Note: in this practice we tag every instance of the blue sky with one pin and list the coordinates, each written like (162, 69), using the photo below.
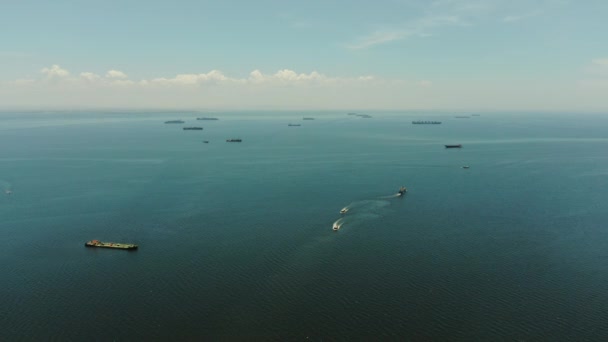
(391, 54)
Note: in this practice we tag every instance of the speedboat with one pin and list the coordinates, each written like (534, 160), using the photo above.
(465, 167)
(402, 190)
(336, 226)
(8, 192)
(343, 211)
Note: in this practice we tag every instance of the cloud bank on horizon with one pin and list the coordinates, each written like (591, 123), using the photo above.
(409, 54)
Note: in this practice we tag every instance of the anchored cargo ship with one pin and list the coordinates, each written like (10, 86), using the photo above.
(308, 118)
(294, 125)
(97, 243)
(193, 128)
(174, 122)
(420, 122)
(204, 118)
(453, 146)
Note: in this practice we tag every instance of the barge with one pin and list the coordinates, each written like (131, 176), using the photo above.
(97, 243)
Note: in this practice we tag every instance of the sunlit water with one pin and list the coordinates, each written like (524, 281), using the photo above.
(236, 239)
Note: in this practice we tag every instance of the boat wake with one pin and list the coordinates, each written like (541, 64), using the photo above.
(362, 211)
(338, 224)
(392, 196)
(6, 186)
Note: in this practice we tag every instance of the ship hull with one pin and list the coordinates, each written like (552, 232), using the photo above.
(126, 246)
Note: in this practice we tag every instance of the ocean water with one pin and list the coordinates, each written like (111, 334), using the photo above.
(236, 240)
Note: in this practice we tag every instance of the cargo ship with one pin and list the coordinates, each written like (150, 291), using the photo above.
(294, 125)
(308, 118)
(97, 243)
(204, 118)
(174, 122)
(453, 146)
(420, 122)
(233, 140)
(193, 128)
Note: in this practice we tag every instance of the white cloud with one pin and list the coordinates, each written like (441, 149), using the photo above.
(89, 76)
(378, 37)
(290, 75)
(213, 76)
(55, 71)
(284, 88)
(256, 76)
(417, 28)
(116, 74)
(441, 14)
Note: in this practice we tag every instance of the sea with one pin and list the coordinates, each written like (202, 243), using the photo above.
(236, 240)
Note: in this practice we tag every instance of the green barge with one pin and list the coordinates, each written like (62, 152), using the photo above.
(97, 243)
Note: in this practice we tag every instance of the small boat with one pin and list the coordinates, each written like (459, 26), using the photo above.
(206, 141)
(308, 118)
(344, 210)
(174, 122)
(294, 125)
(402, 190)
(205, 118)
(336, 226)
(193, 128)
(97, 243)
(453, 146)
(8, 192)
(233, 140)
(465, 167)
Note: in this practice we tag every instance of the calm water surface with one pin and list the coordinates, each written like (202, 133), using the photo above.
(236, 239)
